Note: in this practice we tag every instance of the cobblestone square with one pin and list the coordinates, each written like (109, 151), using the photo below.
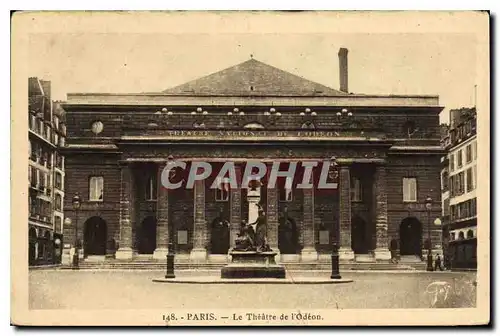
(85, 289)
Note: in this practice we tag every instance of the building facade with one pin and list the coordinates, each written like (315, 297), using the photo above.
(387, 149)
(461, 144)
(45, 174)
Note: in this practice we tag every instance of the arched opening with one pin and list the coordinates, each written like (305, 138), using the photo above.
(410, 236)
(219, 238)
(253, 125)
(461, 235)
(359, 241)
(470, 234)
(147, 236)
(287, 236)
(94, 236)
(32, 246)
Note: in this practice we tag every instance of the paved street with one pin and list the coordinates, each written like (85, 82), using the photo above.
(102, 289)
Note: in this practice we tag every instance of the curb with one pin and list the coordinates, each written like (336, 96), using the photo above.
(201, 280)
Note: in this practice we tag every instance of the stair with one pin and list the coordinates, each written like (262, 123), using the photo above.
(148, 264)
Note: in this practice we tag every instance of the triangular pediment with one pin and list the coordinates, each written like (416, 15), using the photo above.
(253, 78)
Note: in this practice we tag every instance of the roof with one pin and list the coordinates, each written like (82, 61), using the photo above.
(253, 77)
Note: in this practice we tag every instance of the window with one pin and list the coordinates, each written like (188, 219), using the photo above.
(468, 153)
(452, 235)
(356, 190)
(461, 183)
(96, 188)
(461, 235)
(452, 185)
(452, 162)
(58, 224)
(58, 183)
(222, 190)
(474, 148)
(470, 234)
(473, 210)
(285, 190)
(469, 184)
(474, 177)
(409, 189)
(58, 201)
(459, 159)
(151, 189)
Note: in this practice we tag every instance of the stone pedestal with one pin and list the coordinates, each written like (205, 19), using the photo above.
(346, 254)
(309, 255)
(382, 254)
(124, 253)
(160, 253)
(198, 254)
(253, 265)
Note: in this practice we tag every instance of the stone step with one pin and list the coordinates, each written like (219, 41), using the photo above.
(157, 265)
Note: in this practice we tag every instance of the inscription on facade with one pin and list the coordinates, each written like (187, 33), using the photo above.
(250, 133)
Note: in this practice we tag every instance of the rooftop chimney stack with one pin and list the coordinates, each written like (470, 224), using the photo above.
(343, 70)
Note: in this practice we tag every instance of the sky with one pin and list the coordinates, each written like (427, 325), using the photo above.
(441, 64)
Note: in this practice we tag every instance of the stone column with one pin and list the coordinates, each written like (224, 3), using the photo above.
(125, 250)
(162, 217)
(382, 245)
(199, 251)
(308, 252)
(235, 208)
(345, 249)
(272, 219)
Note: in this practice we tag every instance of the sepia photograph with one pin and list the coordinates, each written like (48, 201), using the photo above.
(250, 168)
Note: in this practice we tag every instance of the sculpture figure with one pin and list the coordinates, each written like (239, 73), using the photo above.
(252, 236)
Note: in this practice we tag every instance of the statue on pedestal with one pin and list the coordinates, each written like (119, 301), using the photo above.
(252, 236)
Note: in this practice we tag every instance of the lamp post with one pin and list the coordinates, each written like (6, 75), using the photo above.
(76, 206)
(171, 253)
(335, 244)
(428, 206)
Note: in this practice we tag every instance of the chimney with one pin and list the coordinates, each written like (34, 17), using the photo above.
(343, 70)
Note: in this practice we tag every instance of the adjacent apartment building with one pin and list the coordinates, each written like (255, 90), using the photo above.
(459, 176)
(46, 134)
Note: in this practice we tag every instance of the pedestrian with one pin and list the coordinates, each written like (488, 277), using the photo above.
(437, 263)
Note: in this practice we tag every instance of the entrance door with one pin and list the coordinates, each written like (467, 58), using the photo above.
(287, 236)
(219, 239)
(410, 236)
(147, 236)
(359, 242)
(95, 236)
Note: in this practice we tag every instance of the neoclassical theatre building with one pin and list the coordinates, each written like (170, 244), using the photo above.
(384, 149)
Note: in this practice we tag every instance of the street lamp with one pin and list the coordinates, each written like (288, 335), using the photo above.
(335, 244)
(428, 206)
(76, 206)
(171, 253)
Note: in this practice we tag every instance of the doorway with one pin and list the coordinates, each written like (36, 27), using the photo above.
(359, 241)
(147, 236)
(95, 230)
(410, 237)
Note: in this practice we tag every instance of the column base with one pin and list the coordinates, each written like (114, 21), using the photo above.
(346, 254)
(382, 254)
(124, 253)
(160, 253)
(309, 254)
(198, 254)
